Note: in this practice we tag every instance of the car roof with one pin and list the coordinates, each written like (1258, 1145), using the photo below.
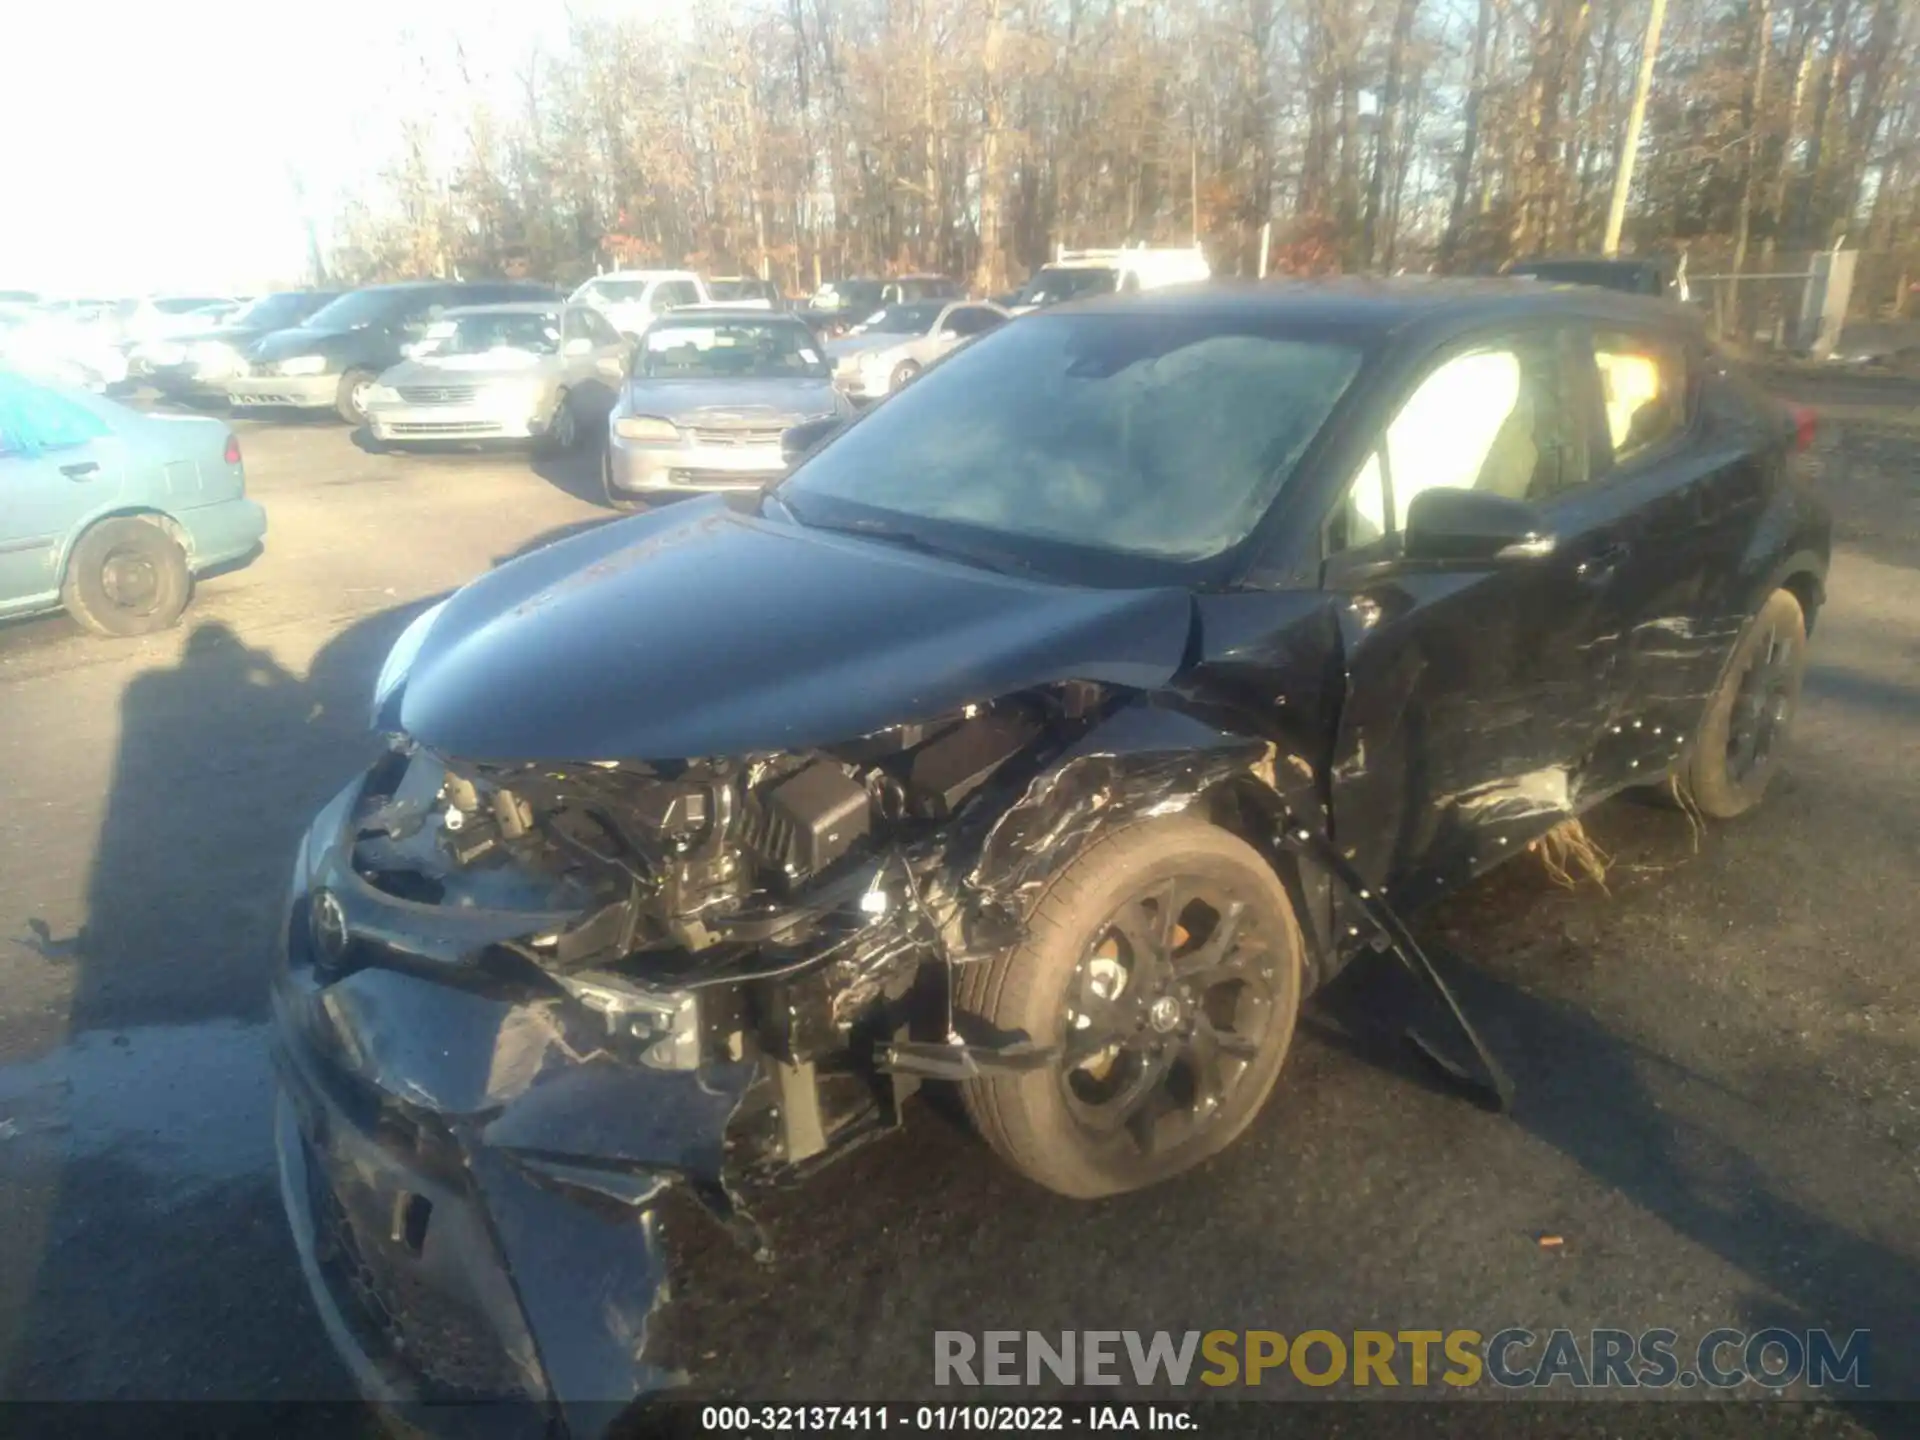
(1362, 307)
(639, 275)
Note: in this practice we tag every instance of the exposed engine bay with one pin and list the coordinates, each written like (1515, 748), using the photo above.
(677, 869)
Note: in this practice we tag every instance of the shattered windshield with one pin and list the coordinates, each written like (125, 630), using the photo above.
(1156, 437)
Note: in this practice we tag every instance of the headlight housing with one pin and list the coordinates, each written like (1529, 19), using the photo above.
(645, 427)
(384, 395)
(400, 659)
(303, 365)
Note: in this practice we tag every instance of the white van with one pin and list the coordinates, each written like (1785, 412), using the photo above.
(1076, 274)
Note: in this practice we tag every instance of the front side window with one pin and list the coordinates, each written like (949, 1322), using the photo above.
(35, 419)
(1643, 386)
(721, 349)
(1498, 417)
(1165, 439)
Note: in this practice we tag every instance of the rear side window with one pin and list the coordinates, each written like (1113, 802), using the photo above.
(669, 294)
(1643, 389)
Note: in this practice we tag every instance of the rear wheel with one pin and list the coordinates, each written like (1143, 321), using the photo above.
(1165, 963)
(1744, 730)
(350, 399)
(126, 577)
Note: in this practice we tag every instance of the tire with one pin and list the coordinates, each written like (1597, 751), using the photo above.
(563, 431)
(349, 401)
(1104, 1119)
(126, 577)
(904, 375)
(1747, 720)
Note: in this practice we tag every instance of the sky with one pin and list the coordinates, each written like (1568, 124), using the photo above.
(152, 148)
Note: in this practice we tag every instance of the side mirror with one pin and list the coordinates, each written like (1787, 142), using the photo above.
(1474, 526)
(579, 345)
(802, 440)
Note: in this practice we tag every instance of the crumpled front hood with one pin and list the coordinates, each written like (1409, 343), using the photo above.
(698, 631)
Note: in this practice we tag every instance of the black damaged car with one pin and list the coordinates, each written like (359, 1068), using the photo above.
(1050, 732)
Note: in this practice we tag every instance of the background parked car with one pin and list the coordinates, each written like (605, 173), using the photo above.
(1643, 275)
(746, 292)
(198, 365)
(880, 355)
(1078, 274)
(503, 372)
(332, 360)
(839, 305)
(709, 397)
(632, 299)
(157, 317)
(109, 512)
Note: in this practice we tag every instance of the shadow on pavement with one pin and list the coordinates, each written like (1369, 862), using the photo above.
(146, 1257)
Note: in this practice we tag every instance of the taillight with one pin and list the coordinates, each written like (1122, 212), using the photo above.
(232, 456)
(1804, 424)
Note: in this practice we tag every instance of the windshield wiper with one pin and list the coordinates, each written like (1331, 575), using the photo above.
(893, 534)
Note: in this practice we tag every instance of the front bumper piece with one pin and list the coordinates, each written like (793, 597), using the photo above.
(474, 1183)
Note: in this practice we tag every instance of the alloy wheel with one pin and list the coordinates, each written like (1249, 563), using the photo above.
(1165, 1015)
(1762, 707)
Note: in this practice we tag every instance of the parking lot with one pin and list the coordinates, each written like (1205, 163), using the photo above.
(1718, 1056)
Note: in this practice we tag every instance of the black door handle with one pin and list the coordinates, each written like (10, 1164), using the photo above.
(81, 470)
(1599, 566)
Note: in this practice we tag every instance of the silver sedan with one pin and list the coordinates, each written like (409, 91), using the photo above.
(534, 371)
(711, 393)
(888, 349)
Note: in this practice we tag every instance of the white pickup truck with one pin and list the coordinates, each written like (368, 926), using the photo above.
(633, 299)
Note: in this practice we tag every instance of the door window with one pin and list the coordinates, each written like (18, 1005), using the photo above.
(1643, 387)
(574, 326)
(1498, 417)
(670, 294)
(972, 320)
(599, 329)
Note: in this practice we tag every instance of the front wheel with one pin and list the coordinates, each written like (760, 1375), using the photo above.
(563, 431)
(350, 399)
(126, 577)
(1744, 729)
(1165, 963)
(903, 375)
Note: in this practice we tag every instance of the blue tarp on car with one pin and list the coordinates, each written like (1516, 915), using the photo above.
(36, 418)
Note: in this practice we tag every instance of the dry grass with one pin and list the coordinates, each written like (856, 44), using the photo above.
(1568, 854)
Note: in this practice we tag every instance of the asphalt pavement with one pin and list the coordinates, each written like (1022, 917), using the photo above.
(1718, 1054)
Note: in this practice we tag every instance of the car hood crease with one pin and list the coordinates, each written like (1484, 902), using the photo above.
(704, 632)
